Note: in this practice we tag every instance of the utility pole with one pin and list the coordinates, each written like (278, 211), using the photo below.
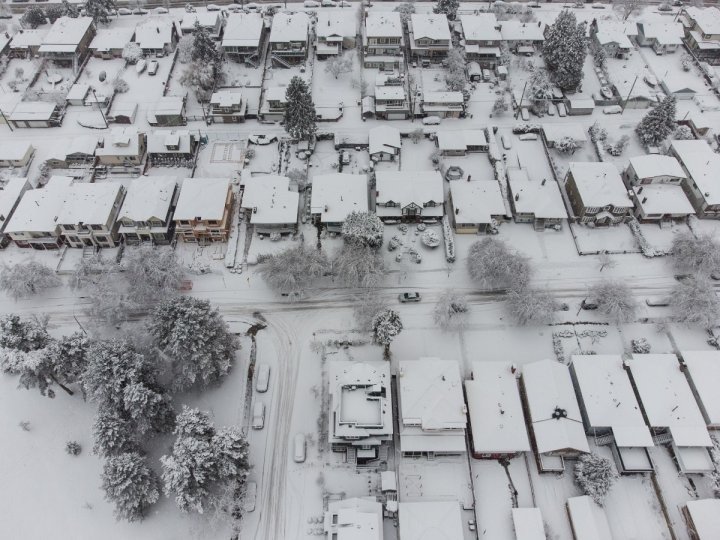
(100, 108)
(629, 94)
(521, 100)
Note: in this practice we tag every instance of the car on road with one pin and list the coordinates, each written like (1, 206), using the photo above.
(328, 3)
(258, 419)
(299, 448)
(409, 297)
(263, 378)
(124, 11)
(213, 7)
(311, 4)
(658, 302)
(589, 304)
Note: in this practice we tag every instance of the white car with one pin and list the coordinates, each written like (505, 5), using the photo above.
(311, 4)
(213, 7)
(258, 419)
(299, 448)
(124, 11)
(328, 3)
(160, 11)
(253, 7)
(263, 378)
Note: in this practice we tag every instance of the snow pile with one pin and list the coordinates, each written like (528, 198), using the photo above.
(449, 240)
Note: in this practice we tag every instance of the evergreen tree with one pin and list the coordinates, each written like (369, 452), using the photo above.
(33, 17)
(100, 10)
(68, 356)
(300, 114)
(54, 12)
(130, 485)
(203, 48)
(565, 49)
(448, 7)
(386, 325)
(595, 475)
(112, 434)
(363, 229)
(539, 91)
(455, 76)
(69, 10)
(658, 123)
(23, 334)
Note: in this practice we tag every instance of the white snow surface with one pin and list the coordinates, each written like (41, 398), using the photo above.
(703, 368)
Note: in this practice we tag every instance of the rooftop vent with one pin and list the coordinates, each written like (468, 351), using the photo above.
(559, 413)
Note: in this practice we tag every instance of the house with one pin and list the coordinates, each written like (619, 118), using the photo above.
(203, 210)
(336, 195)
(610, 411)
(35, 114)
(168, 111)
(611, 36)
(109, 42)
(476, 207)
(670, 408)
(597, 194)
(702, 32)
(10, 194)
(89, 216)
(443, 104)
(172, 148)
(122, 113)
(528, 524)
(157, 36)
(409, 196)
(335, 31)
(579, 104)
(703, 519)
(439, 520)
(360, 417)
(432, 415)
(7, 103)
(588, 521)
(497, 424)
(354, 518)
(521, 37)
(429, 36)
(212, 21)
(460, 143)
(702, 168)
(16, 153)
(705, 50)
(384, 143)
(289, 39)
(123, 146)
(702, 369)
(228, 106)
(554, 133)
(653, 169)
(383, 41)
(34, 223)
(146, 214)
(660, 203)
(663, 37)
(244, 34)
(391, 102)
(682, 87)
(482, 37)
(26, 43)
(68, 41)
(271, 205)
(633, 94)
(4, 43)
(553, 414)
(77, 151)
(274, 104)
(535, 201)
(77, 94)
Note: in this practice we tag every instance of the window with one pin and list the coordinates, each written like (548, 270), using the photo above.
(69, 227)
(183, 222)
(96, 227)
(74, 239)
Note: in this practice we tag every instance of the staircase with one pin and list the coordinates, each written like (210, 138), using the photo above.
(280, 61)
(351, 455)
(604, 440)
(663, 438)
(87, 252)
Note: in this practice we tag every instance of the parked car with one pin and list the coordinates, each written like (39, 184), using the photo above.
(612, 109)
(253, 7)
(528, 137)
(189, 8)
(589, 304)
(409, 297)
(124, 11)
(562, 111)
(506, 141)
(551, 109)
(140, 66)
(263, 377)
(153, 67)
(213, 7)
(140, 11)
(524, 114)
(431, 120)
(160, 11)
(328, 3)
(345, 157)
(258, 419)
(658, 302)
(311, 4)
(299, 448)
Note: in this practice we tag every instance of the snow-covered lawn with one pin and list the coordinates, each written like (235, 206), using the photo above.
(329, 92)
(112, 69)
(615, 239)
(240, 74)
(662, 238)
(416, 156)
(28, 67)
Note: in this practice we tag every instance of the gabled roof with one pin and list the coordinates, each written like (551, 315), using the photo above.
(540, 198)
(520, 31)
(354, 519)
(704, 370)
(33, 110)
(202, 198)
(384, 139)
(38, 209)
(15, 150)
(406, 187)
(89, 203)
(207, 19)
(286, 27)
(430, 521)
(270, 200)
(703, 166)
(650, 166)
(108, 39)
(226, 98)
(335, 195)
(335, 23)
(148, 197)
(120, 142)
(158, 141)
(28, 38)
(707, 18)
(243, 30)
(589, 520)
(481, 27)
(431, 26)
(66, 31)
(665, 33)
(613, 32)
(477, 201)
(599, 184)
(9, 196)
(383, 24)
(154, 33)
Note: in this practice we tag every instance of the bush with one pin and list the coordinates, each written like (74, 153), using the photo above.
(595, 475)
(73, 448)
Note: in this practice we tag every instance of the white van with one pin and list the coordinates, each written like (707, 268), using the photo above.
(506, 142)
(299, 448)
(431, 120)
(263, 378)
(258, 419)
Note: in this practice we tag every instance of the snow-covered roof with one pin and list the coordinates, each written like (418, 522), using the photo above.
(481, 27)
(4, 40)
(28, 38)
(555, 132)
(108, 39)
(276, 93)
(665, 33)
(704, 370)
(207, 19)
(662, 199)
(589, 521)
(389, 93)
(580, 101)
(335, 195)
(455, 98)
(548, 389)
(202, 199)
(384, 139)
(335, 23)
(38, 209)
(9, 195)
(65, 32)
(154, 33)
(286, 27)
(496, 416)
(676, 83)
(520, 31)
(609, 400)
(82, 145)
(706, 18)
(383, 24)
(226, 98)
(528, 524)
(78, 91)
(243, 30)
(667, 399)
(168, 106)
(431, 26)
(477, 201)
(354, 519)
(613, 32)
(89, 203)
(599, 185)
(122, 141)
(461, 139)
(33, 110)
(703, 166)
(9, 101)
(148, 197)
(159, 141)
(269, 198)
(437, 520)
(409, 187)
(540, 198)
(15, 150)
(653, 165)
(705, 515)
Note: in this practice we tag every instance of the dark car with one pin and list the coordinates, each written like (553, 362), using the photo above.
(409, 297)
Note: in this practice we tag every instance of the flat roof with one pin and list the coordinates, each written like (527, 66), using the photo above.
(519, 31)
(609, 400)
(652, 165)
(270, 200)
(335, 23)
(108, 39)
(148, 197)
(243, 30)
(158, 141)
(703, 166)
(121, 141)
(66, 31)
(461, 139)
(437, 520)
(705, 515)
(613, 32)
(600, 184)
(28, 38)
(409, 187)
(354, 519)
(662, 199)
(287, 27)
(667, 399)
(154, 33)
(556, 132)
(665, 33)
(33, 110)
(202, 198)
(528, 524)
(15, 150)
(38, 209)
(476, 201)
(540, 198)
(89, 203)
(335, 195)
(384, 139)
(207, 19)
(496, 416)
(589, 521)
(707, 18)
(704, 370)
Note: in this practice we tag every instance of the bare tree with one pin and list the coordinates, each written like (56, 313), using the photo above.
(627, 7)
(492, 264)
(337, 65)
(27, 279)
(693, 255)
(530, 306)
(359, 266)
(154, 273)
(694, 302)
(615, 300)
(366, 307)
(606, 261)
(451, 311)
(294, 270)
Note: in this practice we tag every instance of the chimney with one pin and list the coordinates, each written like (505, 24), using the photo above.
(157, 29)
(543, 181)
(457, 211)
(640, 190)
(644, 200)
(517, 196)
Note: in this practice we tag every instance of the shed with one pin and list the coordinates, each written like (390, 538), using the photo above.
(578, 104)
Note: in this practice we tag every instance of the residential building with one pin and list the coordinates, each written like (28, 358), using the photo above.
(68, 41)
(528, 524)
(702, 369)
(702, 32)
(146, 214)
(663, 37)
(360, 417)
(203, 210)
(579, 104)
(391, 102)
(671, 411)
(26, 43)
(383, 41)
(157, 35)
(271, 205)
(660, 203)
(674, 84)
(336, 195)
(354, 518)
(497, 423)
(597, 194)
(384, 143)
(476, 206)
(243, 37)
(611, 36)
(482, 39)
(289, 39)
(109, 42)
(610, 411)
(409, 196)
(554, 133)
(8, 102)
(429, 36)
(274, 103)
(335, 32)
(228, 106)
(443, 104)
(168, 111)
(89, 216)
(123, 146)
(705, 50)
(653, 169)
(461, 142)
(702, 168)
(77, 94)
(440, 520)
(521, 37)
(535, 201)
(36, 114)
(74, 152)
(212, 21)
(10, 194)
(588, 520)
(16, 153)
(703, 518)
(553, 414)
(171, 148)
(432, 414)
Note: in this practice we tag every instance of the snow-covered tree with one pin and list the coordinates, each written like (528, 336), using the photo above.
(493, 265)
(299, 177)
(130, 484)
(595, 475)
(695, 255)
(627, 7)
(300, 113)
(683, 133)
(110, 303)
(606, 261)
(202, 78)
(386, 325)
(132, 53)
(406, 9)
(567, 145)
(196, 340)
(153, 272)
(658, 123)
(204, 49)
(448, 7)
(54, 12)
(185, 49)
(564, 50)
(640, 346)
(4, 9)
(617, 148)
(530, 306)
(694, 302)
(363, 229)
(615, 300)
(295, 269)
(366, 306)
(339, 64)
(359, 266)
(539, 91)
(120, 85)
(500, 106)
(26, 279)
(69, 10)
(33, 17)
(23, 334)
(100, 10)
(451, 311)
(417, 135)
(455, 76)
(600, 57)
(113, 434)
